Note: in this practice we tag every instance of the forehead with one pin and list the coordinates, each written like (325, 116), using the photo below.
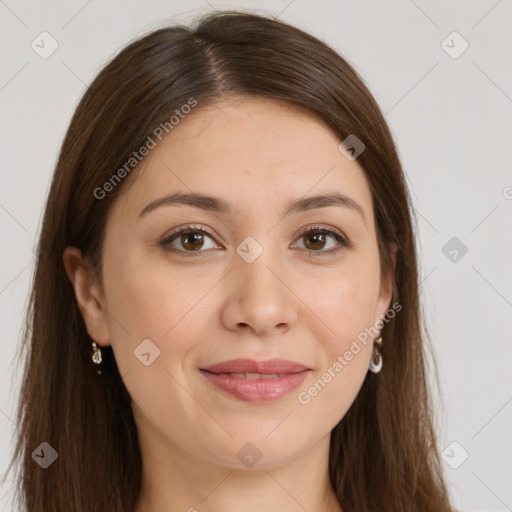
(249, 151)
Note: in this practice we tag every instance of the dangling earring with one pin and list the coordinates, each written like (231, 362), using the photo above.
(376, 360)
(96, 356)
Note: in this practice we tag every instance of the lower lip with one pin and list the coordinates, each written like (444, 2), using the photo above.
(257, 391)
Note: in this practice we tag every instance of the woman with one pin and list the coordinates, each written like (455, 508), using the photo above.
(225, 307)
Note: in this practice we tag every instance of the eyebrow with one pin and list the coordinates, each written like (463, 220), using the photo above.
(217, 205)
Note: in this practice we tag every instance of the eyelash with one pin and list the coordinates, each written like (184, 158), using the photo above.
(190, 228)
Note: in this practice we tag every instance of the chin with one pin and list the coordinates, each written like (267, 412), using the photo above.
(258, 449)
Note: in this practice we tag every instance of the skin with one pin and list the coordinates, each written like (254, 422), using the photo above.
(289, 303)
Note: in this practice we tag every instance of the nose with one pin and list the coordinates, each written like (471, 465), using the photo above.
(259, 298)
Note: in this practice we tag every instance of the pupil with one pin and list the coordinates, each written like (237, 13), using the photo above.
(196, 240)
(319, 237)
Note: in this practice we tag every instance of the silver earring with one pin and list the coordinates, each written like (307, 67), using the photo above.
(96, 355)
(376, 360)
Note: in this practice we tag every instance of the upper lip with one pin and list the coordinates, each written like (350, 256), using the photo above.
(252, 366)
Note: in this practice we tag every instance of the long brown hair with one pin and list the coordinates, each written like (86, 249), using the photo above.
(383, 453)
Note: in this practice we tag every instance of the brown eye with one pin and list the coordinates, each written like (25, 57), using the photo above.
(192, 241)
(316, 239)
(188, 241)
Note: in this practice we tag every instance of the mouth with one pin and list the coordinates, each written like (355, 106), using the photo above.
(251, 366)
(256, 381)
(254, 376)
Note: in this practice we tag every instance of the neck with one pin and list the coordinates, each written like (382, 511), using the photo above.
(193, 486)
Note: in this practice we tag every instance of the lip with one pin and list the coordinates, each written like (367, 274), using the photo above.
(261, 389)
(253, 366)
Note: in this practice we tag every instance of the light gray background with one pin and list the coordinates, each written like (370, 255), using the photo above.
(451, 118)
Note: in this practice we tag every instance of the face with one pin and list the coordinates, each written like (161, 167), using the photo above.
(267, 288)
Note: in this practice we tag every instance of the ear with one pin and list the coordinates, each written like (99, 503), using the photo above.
(88, 295)
(386, 286)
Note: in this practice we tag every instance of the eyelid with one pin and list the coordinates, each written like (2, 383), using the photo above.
(189, 227)
(320, 227)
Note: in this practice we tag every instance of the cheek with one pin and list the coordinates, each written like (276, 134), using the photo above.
(146, 302)
(151, 305)
(347, 306)
(346, 303)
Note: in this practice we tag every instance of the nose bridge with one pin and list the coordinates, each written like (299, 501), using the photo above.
(259, 300)
(256, 277)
